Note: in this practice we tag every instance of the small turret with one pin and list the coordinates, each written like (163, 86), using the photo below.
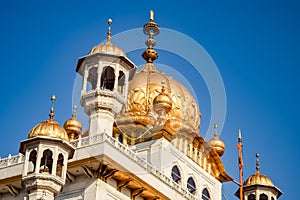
(46, 151)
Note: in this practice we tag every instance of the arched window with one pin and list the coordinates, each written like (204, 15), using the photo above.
(175, 174)
(46, 161)
(251, 197)
(60, 164)
(121, 81)
(92, 79)
(272, 198)
(263, 197)
(32, 159)
(205, 194)
(120, 138)
(191, 185)
(108, 78)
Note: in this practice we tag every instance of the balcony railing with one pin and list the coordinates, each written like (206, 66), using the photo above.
(88, 141)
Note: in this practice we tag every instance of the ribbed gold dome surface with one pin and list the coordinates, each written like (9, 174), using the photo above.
(107, 48)
(49, 128)
(145, 90)
(258, 179)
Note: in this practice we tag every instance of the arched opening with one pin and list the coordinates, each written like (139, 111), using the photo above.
(60, 164)
(32, 161)
(176, 174)
(46, 161)
(272, 198)
(92, 79)
(205, 194)
(120, 138)
(251, 197)
(191, 185)
(121, 82)
(108, 78)
(263, 197)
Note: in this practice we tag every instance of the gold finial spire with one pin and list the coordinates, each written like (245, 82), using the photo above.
(240, 136)
(151, 29)
(151, 16)
(257, 162)
(74, 111)
(109, 22)
(51, 114)
(216, 134)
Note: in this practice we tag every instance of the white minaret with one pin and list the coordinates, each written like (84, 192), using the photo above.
(46, 151)
(105, 73)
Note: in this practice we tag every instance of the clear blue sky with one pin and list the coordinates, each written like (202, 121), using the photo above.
(255, 45)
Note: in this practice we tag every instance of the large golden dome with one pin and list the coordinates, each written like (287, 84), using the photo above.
(151, 90)
(258, 179)
(49, 128)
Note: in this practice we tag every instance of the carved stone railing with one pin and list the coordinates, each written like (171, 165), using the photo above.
(88, 141)
(11, 160)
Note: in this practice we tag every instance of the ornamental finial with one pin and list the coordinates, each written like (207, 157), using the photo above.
(240, 136)
(257, 162)
(216, 134)
(74, 111)
(151, 29)
(51, 114)
(151, 16)
(109, 22)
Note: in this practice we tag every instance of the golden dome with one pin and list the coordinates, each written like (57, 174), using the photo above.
(258, 179)
(49, 128)
(217, 144)
(73, 126)
(107, 48)
(144, 93)
(162, 103)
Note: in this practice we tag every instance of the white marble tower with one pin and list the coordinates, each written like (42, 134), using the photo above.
(105, 72)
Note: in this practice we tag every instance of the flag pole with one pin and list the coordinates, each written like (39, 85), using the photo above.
(241, 165)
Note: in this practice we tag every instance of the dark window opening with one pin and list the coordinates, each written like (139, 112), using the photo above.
(251, 197)
(121, 82)
(120, 138)
(191, 185)
(32, 159)
(46, 161)
(176, 174)
(108, 78)
(92, 79)
(263, 197)
(60, 164)
(205, 194)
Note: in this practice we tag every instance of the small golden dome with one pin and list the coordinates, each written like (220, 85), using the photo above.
(49, 128)
(73, 126)
(217, 144)
(162, 103)
(107, 48)
(258, 179)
